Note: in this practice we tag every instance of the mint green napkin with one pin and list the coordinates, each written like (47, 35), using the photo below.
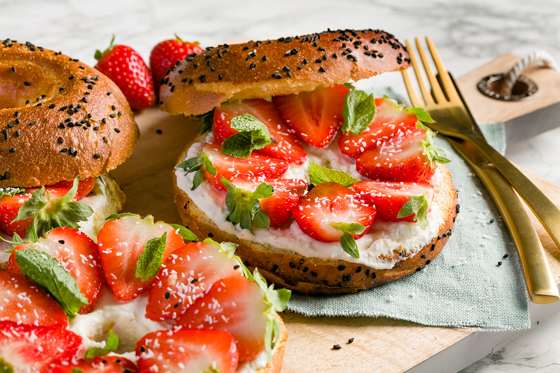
(475, 282)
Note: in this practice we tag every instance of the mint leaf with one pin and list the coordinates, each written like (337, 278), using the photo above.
(10, 191)
(196, 164)
(358, 112)
(206, 122)
(253, 135)
(53, 213)
(354, 228)
(111, 345)
(350, 86)
(229, 248)
(184, 232)
(151, 259)
(51, 276)
(419, 207)
(244, 207)
(320, 175)
(77, 370)
(430, 150)
(421, 114)
(347, 241)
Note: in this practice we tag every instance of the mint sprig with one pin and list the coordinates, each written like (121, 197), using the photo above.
(151, 259)
(431, 151)
(184, 232)
(358, 112)
(419, 207)
(244, 207)
(111, 345)
(196, 164)
(206, 122)
(253, 135)
(53, 213)
(51, 276)
(421, 114)
(347, 241)
(10, 191)
(319, 175)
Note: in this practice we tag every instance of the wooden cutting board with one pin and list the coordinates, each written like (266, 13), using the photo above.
(380, 344)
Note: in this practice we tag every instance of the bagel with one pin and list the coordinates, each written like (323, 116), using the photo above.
(60, 118)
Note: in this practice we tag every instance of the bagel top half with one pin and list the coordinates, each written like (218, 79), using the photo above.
(261, 69)
(59, 118)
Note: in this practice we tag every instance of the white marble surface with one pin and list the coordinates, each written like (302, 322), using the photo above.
(467, 33)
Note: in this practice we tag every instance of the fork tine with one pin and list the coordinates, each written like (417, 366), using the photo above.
(426, 95)
(414, 99)
(448, 86)
(436, 89)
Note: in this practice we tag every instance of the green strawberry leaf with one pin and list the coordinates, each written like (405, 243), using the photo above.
(51, 276)
(110, 346)
(184, 232)
(253, 135)
(347, 241)
(10, 191)
(320, 175)
(151, 259)
(49, 214)
(15, 242)
(358, 112)
(206, 122)
(421, 114)
(196, 164)
(419, 207)
(98, 54)
(244, 207)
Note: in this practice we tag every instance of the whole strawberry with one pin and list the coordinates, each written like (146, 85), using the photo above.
(166, 54)
(129, 72)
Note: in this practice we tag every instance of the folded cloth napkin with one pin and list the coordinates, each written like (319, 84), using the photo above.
(475, 282)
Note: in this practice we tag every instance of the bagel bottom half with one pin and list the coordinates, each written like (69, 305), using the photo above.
(316, 276)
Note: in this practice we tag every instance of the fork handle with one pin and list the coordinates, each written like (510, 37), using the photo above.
(547, 213)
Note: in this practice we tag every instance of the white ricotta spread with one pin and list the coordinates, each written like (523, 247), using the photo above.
(375, 246)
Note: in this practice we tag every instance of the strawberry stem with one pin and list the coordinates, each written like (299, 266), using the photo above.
(98, 54)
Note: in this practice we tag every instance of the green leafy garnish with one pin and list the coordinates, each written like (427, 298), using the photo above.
(150, 260)
(319, 175)
(51, 276)
(421, 114)
(253, 135)
(15, 242)
(184, 232)
(195, 164)
(206, 122)
(5, 367)
(244, 206)
(430, 149)
(358, 112)
(118, 216)
(111, 345)
(10, 191)
(419, 207)
(350, 86)
(77, 370)
(347, 241)
(52, 213)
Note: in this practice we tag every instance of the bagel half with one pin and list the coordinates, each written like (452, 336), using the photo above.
(59, 118)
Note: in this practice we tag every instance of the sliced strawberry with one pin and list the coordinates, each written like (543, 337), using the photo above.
(284, 146)
(400, 159)
(121, 242)
(328, 205)
(84, 187)
(193, 351)
(389, 120)
(389, 197)
(100, 364)
(316, 116)
(184, 277)
(234, 304)
(29, 348)
(23, 302)
(77, 253)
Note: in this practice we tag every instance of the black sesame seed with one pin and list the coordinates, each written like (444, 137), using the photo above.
(314, 274)
(117, 130)
(305, 62)
(274, 268)
(112, 115)
(60, 140)
(289, 74)
(423, 256)
(143, 349)
(428, 261)
(265, 58)
(499, 263)
(359, 269)
(194, 280)
(246, 263)
(491, 221)
(292, 265)
(177, 304)
(299, 67)
(113, 107)
(373, 275)
(159, 132)
(321, 70)
(236, 266)
(341, 268)
(97, 156)
(71, 77)
(505, 256)
(109, 93)
(96, 128)
(350, 340)
(12, 150)
(26, 84)
(306, 269)
(433, 247)
(346, 277)
(252, 66)
(336, 347)
(201, 78)
(318, 60)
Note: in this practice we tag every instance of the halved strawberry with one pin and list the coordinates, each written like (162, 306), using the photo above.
(193, 351)
(389, 120)
(121, 242)
(234, 304)
(100, 364)
(185, 275)
(316, 116)
(324, 212)
(402, 158)
(84, 187)
(77, 253)
(23, 302)
(284, 146)
(389, 197)
(29, 348)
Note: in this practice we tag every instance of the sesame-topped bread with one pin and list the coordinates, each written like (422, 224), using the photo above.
(59, 118)
(261, 69)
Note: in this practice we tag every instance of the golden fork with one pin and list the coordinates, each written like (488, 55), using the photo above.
(453, 118)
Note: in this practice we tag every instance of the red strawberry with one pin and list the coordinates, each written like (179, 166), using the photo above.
(77, 253)
(23, 302)
(234, 304)
(316, 116)
(100, 364)
(166, 54)
(330, 204)
(28, 348)
(85, 187)
(124, 66)
(121, 242)
(400, 159)
(193, 351)
(185, 275)
(389, 120)
(389, 197)
(284, 146)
